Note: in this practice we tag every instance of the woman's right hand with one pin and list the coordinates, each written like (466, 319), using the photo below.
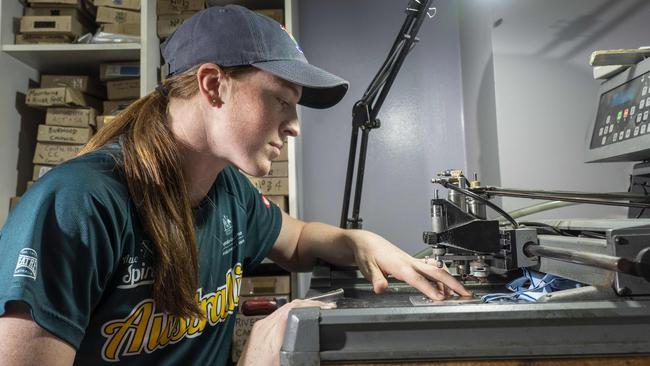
(266, 337)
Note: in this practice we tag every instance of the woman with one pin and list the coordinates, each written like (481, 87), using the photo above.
(135, 250)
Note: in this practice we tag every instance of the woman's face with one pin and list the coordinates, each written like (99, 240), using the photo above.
(260, 113)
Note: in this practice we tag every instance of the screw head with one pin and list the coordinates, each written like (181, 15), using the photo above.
(624, 291)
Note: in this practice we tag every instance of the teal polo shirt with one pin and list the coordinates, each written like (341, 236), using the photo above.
(74, 250)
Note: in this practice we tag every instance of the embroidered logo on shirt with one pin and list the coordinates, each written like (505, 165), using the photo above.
(27, 263)
(227, 225)
(139, 271)
(145, 330)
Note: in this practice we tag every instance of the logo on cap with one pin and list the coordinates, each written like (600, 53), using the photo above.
(293, 39)
(27, 263)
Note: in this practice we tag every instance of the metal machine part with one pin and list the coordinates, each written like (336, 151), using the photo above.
(390, 329)
(463, 227)
(456, 177)
(624, 242)
(438, 223)
(626, 199)
(456, 197)
(476, 207)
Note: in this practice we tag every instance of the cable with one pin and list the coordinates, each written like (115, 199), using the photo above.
(545, 226)
(475, 196)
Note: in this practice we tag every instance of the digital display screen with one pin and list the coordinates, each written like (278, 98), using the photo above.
(623, 97)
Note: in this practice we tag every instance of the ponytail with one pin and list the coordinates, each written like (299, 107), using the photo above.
(152, 167)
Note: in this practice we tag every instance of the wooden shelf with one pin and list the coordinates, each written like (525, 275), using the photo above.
(80, 58)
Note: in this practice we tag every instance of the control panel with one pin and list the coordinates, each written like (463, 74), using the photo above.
(621, 128)
(623, 113)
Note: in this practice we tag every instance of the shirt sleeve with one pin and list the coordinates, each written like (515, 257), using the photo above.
(57, 252)
(264, 221)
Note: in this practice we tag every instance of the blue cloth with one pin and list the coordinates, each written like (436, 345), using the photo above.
(530, 287)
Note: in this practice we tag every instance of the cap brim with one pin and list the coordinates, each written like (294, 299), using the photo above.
(320, 89)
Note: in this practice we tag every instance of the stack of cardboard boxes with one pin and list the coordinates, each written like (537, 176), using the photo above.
(123, 86)
(119, 16)
(71, 102)
(171, 13)
(55, 21)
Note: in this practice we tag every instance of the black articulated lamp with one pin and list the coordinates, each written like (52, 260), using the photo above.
(365, 111)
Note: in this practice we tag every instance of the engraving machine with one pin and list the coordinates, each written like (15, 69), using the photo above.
(612, 255)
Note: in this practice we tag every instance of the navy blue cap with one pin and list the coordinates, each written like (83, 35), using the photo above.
(235, 36)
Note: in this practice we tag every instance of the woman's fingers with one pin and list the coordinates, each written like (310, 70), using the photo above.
(438, 274)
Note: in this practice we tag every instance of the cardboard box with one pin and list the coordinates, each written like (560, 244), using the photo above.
(243, 327)
(112, 15)
(281, 201)
(72, 117)
(271, 186)
(279, 169)
(275, 14)
(13, 201)
(265, 285)
(129, 29)
(120, 4)
(82, 83)
(40, 170)
(113, 107)
(123, 89)
(85, 6)
(53, 154)
(62, 24)
(121, 70)
(103, 120)
(168, 7)
(68, 135)
(81, 14)
(50, 11)
(284, 153)
(47, 3)
(58, 97)
(167, 24)
(43, 38)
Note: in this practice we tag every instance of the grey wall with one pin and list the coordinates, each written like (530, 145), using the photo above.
(421, 130)
(479, 106)
(546, 96)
